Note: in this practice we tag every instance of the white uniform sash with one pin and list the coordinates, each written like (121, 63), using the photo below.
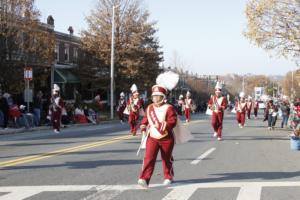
(217, 102)
(188, 103)
(241, 106)
(155, 118)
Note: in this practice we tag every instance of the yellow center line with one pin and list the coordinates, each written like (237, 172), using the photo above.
(42, 156)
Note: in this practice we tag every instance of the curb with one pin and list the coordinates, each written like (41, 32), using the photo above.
(42, 128)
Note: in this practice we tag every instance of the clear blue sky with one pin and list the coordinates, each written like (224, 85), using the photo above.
(206, 34)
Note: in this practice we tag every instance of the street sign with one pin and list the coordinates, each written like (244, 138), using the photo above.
(28, 95)
(28, 74)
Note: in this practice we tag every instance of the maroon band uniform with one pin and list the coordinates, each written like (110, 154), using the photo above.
(188, 103)
(160, 121)
(218, 105)
(249, 108)
(121, 107)
(240, 108)
(56, 111)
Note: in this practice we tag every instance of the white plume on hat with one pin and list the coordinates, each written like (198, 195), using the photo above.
(168, 80)
(22, 107)
(180, 96)
(122, 94)
(134, 88)
(56, 87)
(242, 94)
(218, 86)
(188, 93)
(6, 95)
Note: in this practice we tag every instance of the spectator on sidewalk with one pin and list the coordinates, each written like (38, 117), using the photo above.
(4, 109)
(271, 114)
(285, 109)
(26, 119)
(90, 114)
(80, 116)
(38, 107)
(99, 106)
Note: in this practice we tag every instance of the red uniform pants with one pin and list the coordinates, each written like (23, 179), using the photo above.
(56, 117)
(133, 122)
(240, 117)
(188, 114)
(217, 122)
(255, 112)
(165, 146)
(248, 113)
(121, 114)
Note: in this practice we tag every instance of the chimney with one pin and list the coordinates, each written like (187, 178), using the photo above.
(71, 30)
(50, 20)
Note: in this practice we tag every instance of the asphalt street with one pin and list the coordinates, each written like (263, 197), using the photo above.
(100, 162)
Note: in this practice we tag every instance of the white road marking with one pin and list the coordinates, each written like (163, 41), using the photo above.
(20, 195)
(250, 192)
(100, 195)
(180, 191)
(20, 192)
(204, 155)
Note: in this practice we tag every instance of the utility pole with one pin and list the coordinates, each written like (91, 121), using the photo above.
(243, 83)
(112, 65)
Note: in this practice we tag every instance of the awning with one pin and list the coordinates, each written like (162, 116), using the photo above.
(65, 76)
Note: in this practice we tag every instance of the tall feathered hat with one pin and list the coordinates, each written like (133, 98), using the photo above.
(56, 89)
(181, 96)
(122, 94)
(165, 82)
(134, 89)
(242, 94)
(188, 94)
(218, 87)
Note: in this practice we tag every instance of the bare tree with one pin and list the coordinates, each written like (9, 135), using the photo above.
(274, 25)
(137, 50)
(24, 41)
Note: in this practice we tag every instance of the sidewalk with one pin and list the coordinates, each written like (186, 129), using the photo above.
(42, 128)
(195, 116)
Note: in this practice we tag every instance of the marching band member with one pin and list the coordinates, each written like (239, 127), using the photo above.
(56, 107)
(135, 106)
(249, 107)
(255, 108)
(188, 104)
(159, 121)
(240, 107)
(121, 107)
(180, 104)
(218, 105)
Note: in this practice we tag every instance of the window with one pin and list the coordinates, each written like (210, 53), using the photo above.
(56, 52)
(67, 51)
(75, 54)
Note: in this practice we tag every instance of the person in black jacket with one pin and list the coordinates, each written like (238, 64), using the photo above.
(271, 114)
(4, 108)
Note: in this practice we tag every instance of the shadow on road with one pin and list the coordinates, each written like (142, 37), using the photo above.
(244, 176)
(80, 164)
